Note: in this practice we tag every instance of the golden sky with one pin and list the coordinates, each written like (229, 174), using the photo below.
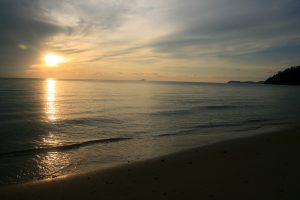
(191, 40)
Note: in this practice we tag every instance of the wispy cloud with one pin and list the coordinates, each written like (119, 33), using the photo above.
(192, 39)
(230, 26)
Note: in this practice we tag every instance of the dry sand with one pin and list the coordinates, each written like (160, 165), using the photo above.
(259, 167)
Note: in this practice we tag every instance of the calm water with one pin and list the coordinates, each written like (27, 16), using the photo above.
(50, 128)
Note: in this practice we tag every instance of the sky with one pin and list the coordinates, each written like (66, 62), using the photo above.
(171, 40)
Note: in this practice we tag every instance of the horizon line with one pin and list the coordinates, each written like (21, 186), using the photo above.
(140, 80)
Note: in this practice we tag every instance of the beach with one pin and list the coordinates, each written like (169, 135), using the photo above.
(149, 100)
(56, 128)
(263, 166)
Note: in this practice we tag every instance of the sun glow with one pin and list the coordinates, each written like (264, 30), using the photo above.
(53, 60)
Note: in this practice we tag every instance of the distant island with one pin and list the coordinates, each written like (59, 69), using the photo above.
(247, 82)
(290, 76)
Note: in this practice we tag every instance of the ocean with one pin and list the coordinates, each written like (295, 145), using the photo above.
(50, 128)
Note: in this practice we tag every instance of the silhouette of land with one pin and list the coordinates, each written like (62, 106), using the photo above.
(290, 76)
(247, 82)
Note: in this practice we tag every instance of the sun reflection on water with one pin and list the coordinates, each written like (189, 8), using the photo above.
(54, 162)
(50, 105)
(51, 163)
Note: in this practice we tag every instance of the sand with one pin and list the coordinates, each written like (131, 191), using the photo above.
(260, 167)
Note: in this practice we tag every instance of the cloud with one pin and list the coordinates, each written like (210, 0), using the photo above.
(229, 26)
(36, 25)
(22, 22)
(173, 37)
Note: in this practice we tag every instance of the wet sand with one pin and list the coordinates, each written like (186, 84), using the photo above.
(259, 167)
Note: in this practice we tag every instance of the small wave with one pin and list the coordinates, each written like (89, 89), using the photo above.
(177, 133)
(172, 112)
(259, 122)
(249, 128)
(262, 125)
(218, 107)
(192, 110)
(90, 121)
(241, 123)
(217, 125)
(61, 148)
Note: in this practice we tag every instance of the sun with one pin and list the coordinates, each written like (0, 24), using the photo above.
(53, 59)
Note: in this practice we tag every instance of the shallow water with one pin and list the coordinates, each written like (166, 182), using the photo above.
(52, 127)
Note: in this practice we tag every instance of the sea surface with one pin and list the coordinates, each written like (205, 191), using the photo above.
(50, 128)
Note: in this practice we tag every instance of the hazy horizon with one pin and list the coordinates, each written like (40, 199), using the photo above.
(138, 80)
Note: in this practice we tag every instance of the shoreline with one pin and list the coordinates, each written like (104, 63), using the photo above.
(263, 166)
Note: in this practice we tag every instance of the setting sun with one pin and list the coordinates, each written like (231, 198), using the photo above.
(53, 60)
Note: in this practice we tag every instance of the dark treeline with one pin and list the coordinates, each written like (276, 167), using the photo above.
(290, 76)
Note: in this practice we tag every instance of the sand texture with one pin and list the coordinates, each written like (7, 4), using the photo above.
(259, 167)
